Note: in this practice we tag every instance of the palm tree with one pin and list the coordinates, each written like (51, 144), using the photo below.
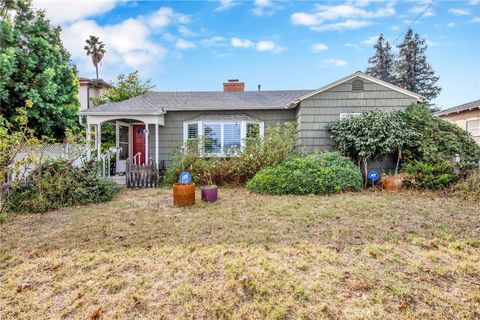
(96, 49)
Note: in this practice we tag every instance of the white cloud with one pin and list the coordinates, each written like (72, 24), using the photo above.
(473, 2)
(420, 8)
(214, 41)
(319, 47)
(262, 46)
(340, 17)
(183, 44)
(129, 43)
(335, 62)
(268, 45)
(165, 16)
(241, 43)
(345, 25)
(371, 40)
(60, 12)
(186, 31)
(475, 20)
(450, 24)
(394, 28)
(225, 5)
(460, 11)
(264, 7)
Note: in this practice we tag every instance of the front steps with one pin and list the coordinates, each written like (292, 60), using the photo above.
(119, 180)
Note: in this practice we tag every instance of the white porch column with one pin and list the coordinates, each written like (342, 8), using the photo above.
(88, 137)
(156, 144)
(99, 141)
(146, 143)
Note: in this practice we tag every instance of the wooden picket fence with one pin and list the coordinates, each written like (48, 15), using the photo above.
(141, 176)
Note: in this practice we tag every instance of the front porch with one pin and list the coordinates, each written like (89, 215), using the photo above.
(136, 139)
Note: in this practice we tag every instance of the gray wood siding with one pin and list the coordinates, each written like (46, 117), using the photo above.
(317, 112)
(171, 135)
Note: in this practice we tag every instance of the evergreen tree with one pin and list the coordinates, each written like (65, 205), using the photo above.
(414, 73)
(35, 66)
(382, 63)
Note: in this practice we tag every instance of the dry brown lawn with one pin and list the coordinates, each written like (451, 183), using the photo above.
(370, 255)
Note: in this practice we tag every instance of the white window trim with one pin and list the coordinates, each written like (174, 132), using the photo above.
(243, 133)
(469, 130)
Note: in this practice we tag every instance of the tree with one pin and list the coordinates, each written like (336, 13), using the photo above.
(16, 137)
(96, 49)
(414, 73)
(6, 6)
(370, 136)
(126, 87)
(35, 66)
(382, 63)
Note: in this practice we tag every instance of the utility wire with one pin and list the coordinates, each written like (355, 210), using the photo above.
(414, 20)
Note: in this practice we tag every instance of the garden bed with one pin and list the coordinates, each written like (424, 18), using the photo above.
(364, 255)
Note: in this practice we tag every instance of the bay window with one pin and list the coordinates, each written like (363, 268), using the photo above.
(221, 137)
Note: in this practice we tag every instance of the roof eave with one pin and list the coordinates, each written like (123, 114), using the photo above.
(117, 113)
(446, 113)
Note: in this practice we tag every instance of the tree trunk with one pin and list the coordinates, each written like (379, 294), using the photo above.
(96, 69)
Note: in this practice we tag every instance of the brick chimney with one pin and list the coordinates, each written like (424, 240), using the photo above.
(233, 85)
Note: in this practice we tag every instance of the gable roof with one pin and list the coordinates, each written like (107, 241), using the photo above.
(364, 76)
(460, 108)
(160, 102)
(154, 103)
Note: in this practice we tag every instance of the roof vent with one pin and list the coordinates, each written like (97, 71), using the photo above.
(357, 85)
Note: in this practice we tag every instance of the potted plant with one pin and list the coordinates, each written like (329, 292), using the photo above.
(394, 182)
(184, 191)
(210, 191)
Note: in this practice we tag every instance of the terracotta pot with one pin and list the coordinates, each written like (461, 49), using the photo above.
(183, 195)
(209, 193)
(393, 183)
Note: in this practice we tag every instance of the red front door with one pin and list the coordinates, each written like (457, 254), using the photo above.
(139, 142)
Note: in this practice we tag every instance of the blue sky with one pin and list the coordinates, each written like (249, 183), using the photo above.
(196, 45)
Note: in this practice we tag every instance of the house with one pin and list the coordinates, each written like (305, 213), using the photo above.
(155, 124)
(91, 88)
(466, 115)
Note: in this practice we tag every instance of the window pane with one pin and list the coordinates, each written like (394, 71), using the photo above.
(231, 136)
(211, 137)
(123, 134)
(253, 130)
(473, 127)
(192, 129)
(124, 151)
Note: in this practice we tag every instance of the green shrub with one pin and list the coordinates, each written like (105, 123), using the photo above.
(319, 174)
(277, 145)
(436, 140)
(469, 188)
(415, 134)
(56, 184)
(434, 176)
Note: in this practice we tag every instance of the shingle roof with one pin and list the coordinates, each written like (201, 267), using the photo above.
(463, 107)
(158, 102)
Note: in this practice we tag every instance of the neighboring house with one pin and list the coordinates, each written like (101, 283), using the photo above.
(91, 88)
(227, 117)
(466, 115)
